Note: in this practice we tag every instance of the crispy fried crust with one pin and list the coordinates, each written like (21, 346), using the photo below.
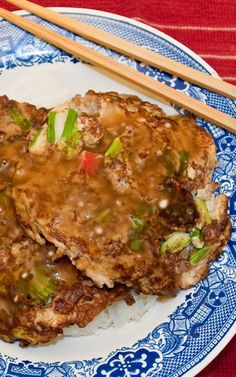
(17, 122)
(161, 159)
(35, 116)
(76, 300)
(37, 311)
(216, 235)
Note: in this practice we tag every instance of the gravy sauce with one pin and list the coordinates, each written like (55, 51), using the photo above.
(148, 166)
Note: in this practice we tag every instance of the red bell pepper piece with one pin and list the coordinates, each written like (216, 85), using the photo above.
(90, 163)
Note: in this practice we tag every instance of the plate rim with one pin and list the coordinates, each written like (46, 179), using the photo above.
(232, 330)
(134, 22)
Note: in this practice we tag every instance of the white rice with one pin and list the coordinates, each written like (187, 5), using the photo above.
(116, 316)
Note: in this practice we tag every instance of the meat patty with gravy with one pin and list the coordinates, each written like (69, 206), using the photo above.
(125, 192)
(39, 297)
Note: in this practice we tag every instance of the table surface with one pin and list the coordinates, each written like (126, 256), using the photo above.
(209, 29)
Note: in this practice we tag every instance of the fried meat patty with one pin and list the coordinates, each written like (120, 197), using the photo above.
(38, 296)
(125, 192)
(17, 121)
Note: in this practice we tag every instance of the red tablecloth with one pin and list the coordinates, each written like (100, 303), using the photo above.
(209, 29)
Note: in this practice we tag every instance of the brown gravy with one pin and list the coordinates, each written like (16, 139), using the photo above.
(149, 164)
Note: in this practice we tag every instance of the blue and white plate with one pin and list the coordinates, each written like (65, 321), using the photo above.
(178, 337)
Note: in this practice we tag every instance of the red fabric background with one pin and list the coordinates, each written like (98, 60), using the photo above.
(209, 29)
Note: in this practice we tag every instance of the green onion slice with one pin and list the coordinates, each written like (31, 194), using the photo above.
(103, 215)
(183, 160)
(203, 210)
(51, 127)
(135, 245)
(198, 255)
(70, 136)
(115, 148)
(35, 138)
(41, 288)
(70, 130)
(197, 233)
(17, 116)
(197, 238)
(143, 209)
(176, 242)
(138, 224)
(168, 163)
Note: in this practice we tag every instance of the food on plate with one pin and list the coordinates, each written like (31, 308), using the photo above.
(39, 297)
(17, 120)
(125, 192)
(98, 196)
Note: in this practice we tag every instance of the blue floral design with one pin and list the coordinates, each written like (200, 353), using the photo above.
(131, 363)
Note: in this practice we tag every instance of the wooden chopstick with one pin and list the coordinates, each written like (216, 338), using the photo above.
(127, 48)
(124, 72)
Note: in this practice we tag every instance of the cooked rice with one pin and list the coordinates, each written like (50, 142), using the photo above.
(116, 316)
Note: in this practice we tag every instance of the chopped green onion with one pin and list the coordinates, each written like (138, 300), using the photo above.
(35, 138)
(143, 209)
(197, 238)
(203, 210)
(176, 242)
(70, 136)
(70, 130)
(135, 245)
(51, 127)
(115, 148)
(138, 223)
(168, 162)
(17, 116)
(41, 288)
(198, 255)
(183, 160)
(136, 231)
(102, 215)
(197, 233)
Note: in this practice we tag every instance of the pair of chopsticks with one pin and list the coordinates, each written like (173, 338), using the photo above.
(127, 48)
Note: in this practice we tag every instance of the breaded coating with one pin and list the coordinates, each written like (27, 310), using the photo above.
(121, 189)
(39, 297)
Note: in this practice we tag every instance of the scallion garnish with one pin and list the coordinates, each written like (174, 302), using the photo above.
(197, 238)
(203, 210)
(183, 161)
(198, 255)
(135, 245)
(168, 163)
(41, 288)
(70, 130)
(138, 224)
(136, 232)
(103, 215)
(51, 127)
(115, 148)
(70, 136)
(17, 116)
(176, 242)
(35, 138)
